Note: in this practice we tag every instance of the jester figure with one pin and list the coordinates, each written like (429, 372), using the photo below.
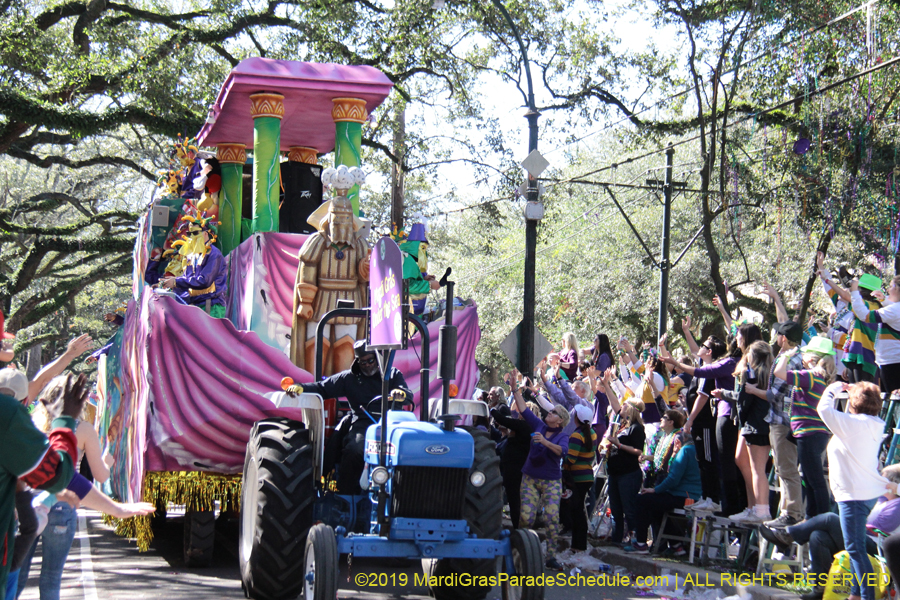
(415, 266)
(202, 281)
(334, 265)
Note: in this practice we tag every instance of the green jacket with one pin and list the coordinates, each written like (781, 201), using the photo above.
(22, 447)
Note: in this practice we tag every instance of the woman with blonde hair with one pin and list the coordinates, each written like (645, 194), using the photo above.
(626, 438)
(568, 356)
(806, 425)
(750, 412)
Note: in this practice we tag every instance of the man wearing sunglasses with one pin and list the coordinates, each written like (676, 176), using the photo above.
(361, 386)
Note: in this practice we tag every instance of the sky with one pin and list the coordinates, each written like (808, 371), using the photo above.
(502, 100)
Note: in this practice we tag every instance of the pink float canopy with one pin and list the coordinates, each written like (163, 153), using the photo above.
(308, 89)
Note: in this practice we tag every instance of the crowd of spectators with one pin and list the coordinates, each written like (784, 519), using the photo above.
(43, 439)
(706, 429)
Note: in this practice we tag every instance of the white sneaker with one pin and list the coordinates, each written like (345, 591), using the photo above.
(702, 505)
(714, 506)
(741, 517)
(754, 518)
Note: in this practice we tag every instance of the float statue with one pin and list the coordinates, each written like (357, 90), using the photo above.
(334, 265)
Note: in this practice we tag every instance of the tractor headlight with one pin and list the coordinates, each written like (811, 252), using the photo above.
(380, 475)
(477, 478)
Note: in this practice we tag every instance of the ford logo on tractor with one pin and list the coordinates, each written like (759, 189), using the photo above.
(437, 449)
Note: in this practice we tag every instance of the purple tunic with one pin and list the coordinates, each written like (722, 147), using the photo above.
(542, 463)
(723, 372)
(211, 270)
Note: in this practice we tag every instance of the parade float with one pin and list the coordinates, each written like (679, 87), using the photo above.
(212, 325)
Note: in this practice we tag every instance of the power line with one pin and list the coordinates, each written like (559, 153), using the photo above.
(755, 115)
(769, 52)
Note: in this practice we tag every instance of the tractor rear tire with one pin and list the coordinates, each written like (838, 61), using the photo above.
(526, 556)
(483, 512)
(199, 537)
(276, 509)
(320, 576)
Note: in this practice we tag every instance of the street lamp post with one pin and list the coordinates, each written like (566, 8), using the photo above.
(526, 330)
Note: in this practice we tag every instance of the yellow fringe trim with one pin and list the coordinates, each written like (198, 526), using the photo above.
(195, 490)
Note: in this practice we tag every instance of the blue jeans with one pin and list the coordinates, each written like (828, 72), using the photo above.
(810, 449)
(12, 582)
(56, 541)
(853, 525)
(825, 538)
(623, 493)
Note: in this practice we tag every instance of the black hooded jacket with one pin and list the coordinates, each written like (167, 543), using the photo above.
(357, 388)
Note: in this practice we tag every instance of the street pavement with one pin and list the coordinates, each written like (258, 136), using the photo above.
(103, 566)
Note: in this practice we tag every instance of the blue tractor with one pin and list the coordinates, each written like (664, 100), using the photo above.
(433, 493)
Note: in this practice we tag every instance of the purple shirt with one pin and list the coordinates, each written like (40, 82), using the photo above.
(570, 356)
(543, 463)
(601, 402)
(723, 372)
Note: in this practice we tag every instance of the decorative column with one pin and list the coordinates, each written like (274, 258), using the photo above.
(303, 155)
(267, 110)
(231, 158)
(349, 114)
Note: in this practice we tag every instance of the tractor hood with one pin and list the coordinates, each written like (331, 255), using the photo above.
(418, 444)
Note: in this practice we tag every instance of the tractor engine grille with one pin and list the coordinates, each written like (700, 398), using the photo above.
(429, 492)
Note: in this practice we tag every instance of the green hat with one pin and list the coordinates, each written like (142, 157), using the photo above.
(869, 282)
(820, 345)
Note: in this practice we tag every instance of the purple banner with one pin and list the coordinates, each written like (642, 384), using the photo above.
(386, 293)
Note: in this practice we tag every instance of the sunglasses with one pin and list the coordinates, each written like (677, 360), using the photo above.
(365, 362)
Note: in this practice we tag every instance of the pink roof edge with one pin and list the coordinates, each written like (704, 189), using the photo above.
(308, 89)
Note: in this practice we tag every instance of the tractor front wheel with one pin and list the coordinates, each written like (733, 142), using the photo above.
(276, 509)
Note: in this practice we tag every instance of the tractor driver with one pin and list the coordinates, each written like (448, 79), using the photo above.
(361, 386)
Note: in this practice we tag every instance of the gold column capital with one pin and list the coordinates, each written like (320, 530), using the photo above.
(349, 109)
(303, 154)
(231, 153)
(266, 104)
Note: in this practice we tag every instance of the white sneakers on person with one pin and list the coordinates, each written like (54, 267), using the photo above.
(742, 516)
(706, 505)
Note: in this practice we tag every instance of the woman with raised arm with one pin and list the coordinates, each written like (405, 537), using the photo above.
(722, 371)
(751, 411)
(541, 475)
(806, 426)
(887, 322)
(853, 470)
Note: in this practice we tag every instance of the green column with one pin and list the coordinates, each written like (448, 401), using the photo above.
(267, 111)
(231, 158)
(349, 114)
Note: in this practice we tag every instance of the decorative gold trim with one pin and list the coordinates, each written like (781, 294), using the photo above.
(195, 490)
(303, 154)
(231, 153)
(266, 104)
(349, 109)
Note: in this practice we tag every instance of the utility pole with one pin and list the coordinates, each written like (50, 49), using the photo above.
(534, 211)
(664, 265)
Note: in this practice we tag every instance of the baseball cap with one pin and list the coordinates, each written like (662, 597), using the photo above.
(791, 330)
(583, 413)
(14, 383)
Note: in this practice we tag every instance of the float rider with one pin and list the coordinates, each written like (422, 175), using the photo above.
(203, 280)
(361, 385)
